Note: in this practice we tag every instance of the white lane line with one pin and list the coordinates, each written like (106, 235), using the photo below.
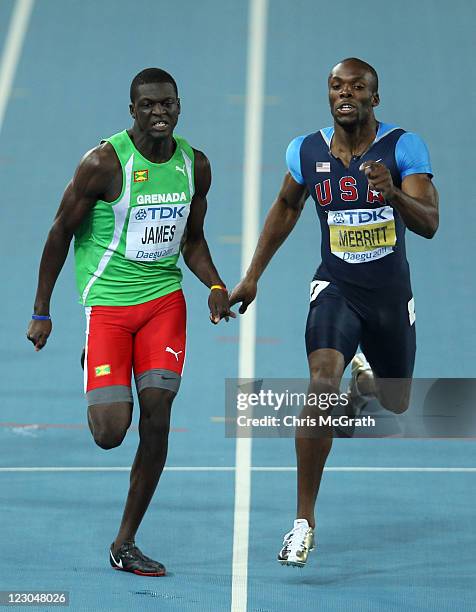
(194, 468)
(371, 469)
(12, 51)
(115, 469)
(251, 193)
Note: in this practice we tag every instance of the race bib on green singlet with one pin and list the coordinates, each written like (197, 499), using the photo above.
(155, 231)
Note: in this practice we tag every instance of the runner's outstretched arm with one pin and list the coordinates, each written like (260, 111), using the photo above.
(195, 251)
(87, 185)
(279, 223)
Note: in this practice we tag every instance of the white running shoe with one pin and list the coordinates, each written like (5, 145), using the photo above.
(297, 544)
(359, 365)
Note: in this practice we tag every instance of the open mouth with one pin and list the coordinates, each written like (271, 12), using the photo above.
(159, 125)
(345, 109)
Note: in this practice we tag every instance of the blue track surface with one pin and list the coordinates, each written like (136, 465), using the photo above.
(386, 541)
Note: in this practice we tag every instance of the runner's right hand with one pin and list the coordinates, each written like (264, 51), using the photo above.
(38, 333)
(244, 292)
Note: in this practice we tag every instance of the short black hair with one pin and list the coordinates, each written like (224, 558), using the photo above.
(151, 75)
(367, 66)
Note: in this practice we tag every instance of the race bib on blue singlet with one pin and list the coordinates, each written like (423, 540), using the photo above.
(361, 235)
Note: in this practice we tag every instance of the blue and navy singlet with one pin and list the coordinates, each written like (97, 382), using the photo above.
(363, 237)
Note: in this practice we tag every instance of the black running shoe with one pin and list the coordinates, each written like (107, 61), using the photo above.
(129, 558)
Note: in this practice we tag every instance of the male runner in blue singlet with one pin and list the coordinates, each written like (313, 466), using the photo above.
(370, 181)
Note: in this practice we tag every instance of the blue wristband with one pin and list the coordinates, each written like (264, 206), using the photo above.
(41, 317)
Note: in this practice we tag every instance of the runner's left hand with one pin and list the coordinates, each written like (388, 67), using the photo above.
(379, 178)
(38, 333)
(219, 306)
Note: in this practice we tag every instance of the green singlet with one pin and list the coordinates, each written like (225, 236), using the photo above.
(126, 251)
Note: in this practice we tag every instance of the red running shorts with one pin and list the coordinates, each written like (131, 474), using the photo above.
(148, 339)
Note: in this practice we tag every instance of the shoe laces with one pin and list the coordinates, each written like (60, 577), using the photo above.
(295, 536)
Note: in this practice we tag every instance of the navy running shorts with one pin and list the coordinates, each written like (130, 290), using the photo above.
(381, 321)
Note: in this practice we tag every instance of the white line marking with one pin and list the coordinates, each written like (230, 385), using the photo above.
(114, 469)
(371, 469)
(251, 190)
(52, 469)
(12, 51)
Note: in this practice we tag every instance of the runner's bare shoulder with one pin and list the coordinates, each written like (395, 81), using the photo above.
(100, 171)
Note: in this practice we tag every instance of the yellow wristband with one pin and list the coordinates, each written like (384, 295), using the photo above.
(218, 287)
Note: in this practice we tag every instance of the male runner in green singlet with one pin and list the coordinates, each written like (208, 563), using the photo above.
(134, 203)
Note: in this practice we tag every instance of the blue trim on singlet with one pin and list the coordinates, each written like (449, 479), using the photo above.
(327, 134)
(382, 130)
(293, 159)
(411, 152)
(412, 156)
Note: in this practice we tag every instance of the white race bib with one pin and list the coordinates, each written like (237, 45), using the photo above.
(155, 232)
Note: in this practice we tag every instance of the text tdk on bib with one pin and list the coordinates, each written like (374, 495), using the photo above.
(361, 235)
(154, 232)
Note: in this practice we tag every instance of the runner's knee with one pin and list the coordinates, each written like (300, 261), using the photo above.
(394, 394)
(326, 367)
(108, 439)
(109, 423)
(397, 405)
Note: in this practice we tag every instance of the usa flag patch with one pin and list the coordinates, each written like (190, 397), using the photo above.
(323, 166)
